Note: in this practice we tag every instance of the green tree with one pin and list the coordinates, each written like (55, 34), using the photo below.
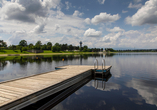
(102, 49)
(57, 44)
(23, 43)
(70, 47)
(30, 46)
(38, 45)
(56, 49)
(2, 44)
(85, 48)
(64, 47)
(49, 45)
(77, 47)
(14, 47)
(44, 47)
(24, 48)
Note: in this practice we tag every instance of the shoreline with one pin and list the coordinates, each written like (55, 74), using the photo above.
(33, 54)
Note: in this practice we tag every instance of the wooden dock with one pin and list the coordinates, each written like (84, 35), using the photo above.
(20, 93)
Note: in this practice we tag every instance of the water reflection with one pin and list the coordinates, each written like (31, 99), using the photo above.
(132, 85)
(99, 81)
(145, 88)
(3, 64)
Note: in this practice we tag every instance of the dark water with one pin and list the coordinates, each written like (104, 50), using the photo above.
(133, 85)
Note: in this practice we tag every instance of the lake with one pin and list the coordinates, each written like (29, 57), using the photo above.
(132, 85)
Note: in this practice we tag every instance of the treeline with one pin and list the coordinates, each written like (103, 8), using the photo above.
(109, 50)
(3, 44)
(23, 46)
(129, 50)
(138, 50)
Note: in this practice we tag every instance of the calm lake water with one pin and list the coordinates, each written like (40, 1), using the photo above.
(132, 86)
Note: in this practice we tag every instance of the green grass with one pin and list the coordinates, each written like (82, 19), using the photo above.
(46, 52)
(13, 52)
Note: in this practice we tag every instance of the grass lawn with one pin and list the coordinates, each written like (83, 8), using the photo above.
(49, 51)
(13, 52)
(46, 52)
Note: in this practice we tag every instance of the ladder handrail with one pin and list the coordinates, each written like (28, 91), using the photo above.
(96, 61)
(103, 64)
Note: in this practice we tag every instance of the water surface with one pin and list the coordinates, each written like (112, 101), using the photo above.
(133, 84)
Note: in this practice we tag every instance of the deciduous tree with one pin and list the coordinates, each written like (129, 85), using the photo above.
(23, 43)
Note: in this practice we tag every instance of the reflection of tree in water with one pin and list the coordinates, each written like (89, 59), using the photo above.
(85, 56)
(2, 65)
(24, 60)
(96, 55)
(110, 54)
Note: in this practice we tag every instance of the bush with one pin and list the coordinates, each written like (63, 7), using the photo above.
(24, 49)
(56, 49)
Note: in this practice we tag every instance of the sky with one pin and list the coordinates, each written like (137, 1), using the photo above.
(118, 24)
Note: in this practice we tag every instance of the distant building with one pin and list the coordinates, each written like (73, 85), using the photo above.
(35, 51)
(80, 44)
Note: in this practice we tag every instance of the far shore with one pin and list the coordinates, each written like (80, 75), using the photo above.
(62, 53)
(31, 54)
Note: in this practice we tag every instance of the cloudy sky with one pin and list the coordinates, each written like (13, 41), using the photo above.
(97, 23)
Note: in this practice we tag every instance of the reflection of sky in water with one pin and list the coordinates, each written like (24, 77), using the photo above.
(131, 87)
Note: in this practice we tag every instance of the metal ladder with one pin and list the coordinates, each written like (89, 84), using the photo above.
(96, 70)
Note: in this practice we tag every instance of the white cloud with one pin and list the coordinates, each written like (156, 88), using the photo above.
(137, 1)
(101, 1)
(60, 14)
(51, 3)
(1, 31)
(137, 6)
(68, 30)
(104, 18)
(77, 13)
(132, 34)
(57, 26)
(87, 20)
(39, 29)
(50, 29)
(115, 29)
(123, 11)
(26, 10)
(147, 14)
(112, 37)
(68, 5)
(92, 33)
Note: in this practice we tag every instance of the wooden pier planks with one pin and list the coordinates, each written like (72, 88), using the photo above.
(21, 88)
